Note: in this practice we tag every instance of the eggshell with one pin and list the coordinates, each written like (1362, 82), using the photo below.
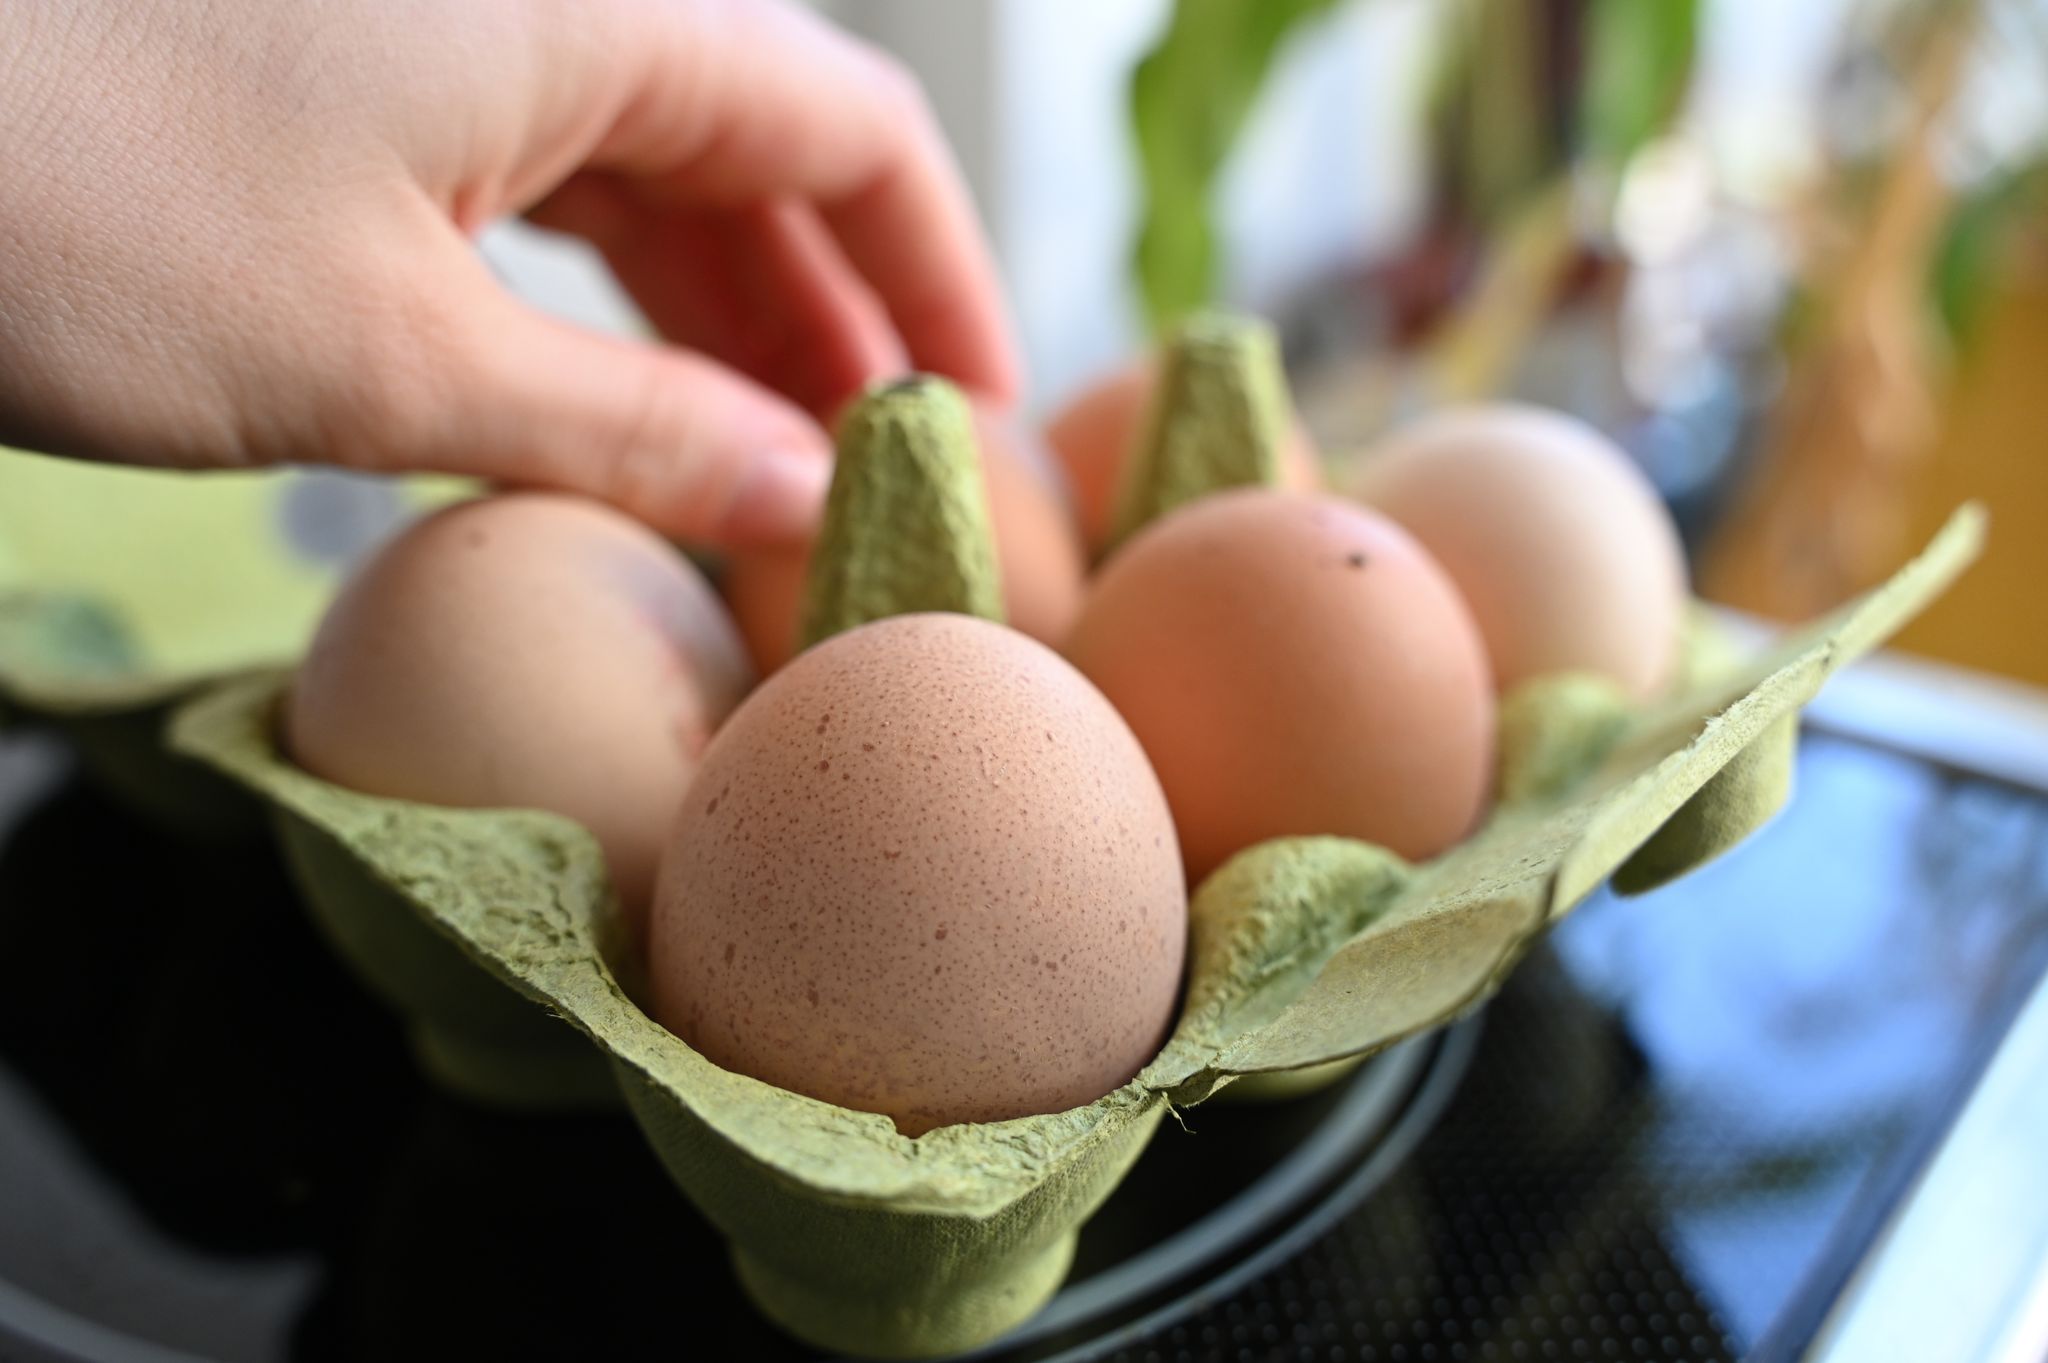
(1558, 543)
(1094, 434)
(1294, 664)
(924, 871)
(534, 651)
(1038, 553)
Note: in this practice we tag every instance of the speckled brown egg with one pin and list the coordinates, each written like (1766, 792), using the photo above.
(924, 871)
(531, 651)
(1038, 553)
(1294, 664)
(1094, 434)
(1554, 537)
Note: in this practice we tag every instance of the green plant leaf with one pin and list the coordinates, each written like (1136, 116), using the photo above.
(1189, 98)
(1497, 138)
(1972, 254)
(1639, 56)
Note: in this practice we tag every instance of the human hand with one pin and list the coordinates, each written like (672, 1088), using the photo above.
(236, 233)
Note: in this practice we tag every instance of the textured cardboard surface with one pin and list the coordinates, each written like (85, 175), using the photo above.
(1217, 420)
(906, 523)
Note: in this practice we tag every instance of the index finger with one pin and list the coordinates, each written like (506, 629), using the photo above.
(731, 104)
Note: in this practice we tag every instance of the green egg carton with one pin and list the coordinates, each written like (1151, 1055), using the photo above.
(381, 878)
(494, 932)
(68, 663)
(125, 591)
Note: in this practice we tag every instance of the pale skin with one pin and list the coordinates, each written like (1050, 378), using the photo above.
(237, 233)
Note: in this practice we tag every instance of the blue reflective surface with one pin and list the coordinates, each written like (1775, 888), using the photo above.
(1808, 1005)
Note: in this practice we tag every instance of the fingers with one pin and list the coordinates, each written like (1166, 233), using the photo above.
(677, 440)
(952, 321)
(762, 288)
(730, 105)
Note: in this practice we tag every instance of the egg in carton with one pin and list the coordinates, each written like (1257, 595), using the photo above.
(496, 932)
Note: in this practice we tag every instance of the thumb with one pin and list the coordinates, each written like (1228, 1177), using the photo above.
(677, 440)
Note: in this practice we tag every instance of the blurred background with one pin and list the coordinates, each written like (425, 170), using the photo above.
(1794, 256)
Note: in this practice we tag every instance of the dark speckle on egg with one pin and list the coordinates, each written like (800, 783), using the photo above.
(1008, 967)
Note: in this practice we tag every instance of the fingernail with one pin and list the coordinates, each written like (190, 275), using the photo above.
(779, 499)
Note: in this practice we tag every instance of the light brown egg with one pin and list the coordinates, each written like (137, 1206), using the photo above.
(1037, 553)
(1093, 436)
(1293, 664)
(531, 651)
(924, 871)
(1556, 540)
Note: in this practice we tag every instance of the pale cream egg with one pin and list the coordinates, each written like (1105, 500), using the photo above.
(1558, 543)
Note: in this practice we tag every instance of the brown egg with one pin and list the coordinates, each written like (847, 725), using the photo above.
(530, 651)
(924, 871)
(1037, 553)
(1556, 540)
(1293, 664)
(1094, 433)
